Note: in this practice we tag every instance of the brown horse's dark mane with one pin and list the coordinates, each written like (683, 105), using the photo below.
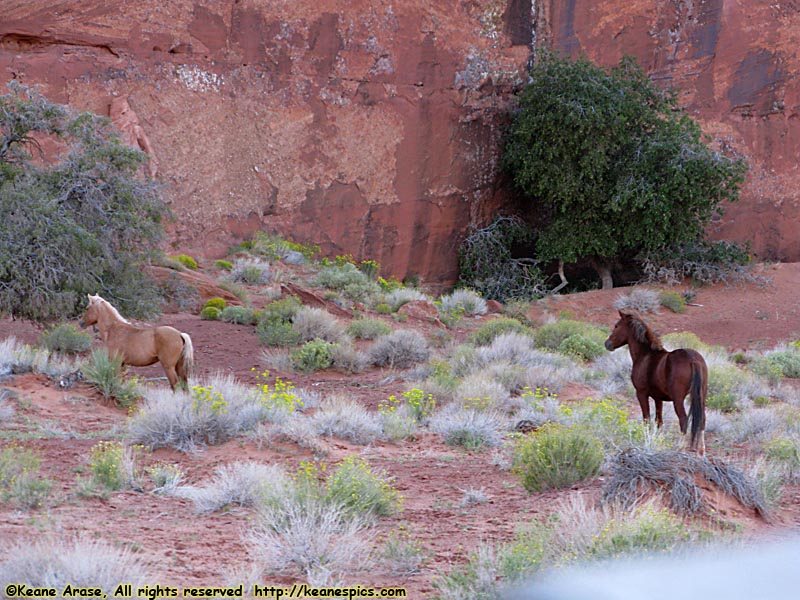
(642, 332)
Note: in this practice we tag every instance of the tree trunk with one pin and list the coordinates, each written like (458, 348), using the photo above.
(605, 276)
(604, 270)
(561, 275)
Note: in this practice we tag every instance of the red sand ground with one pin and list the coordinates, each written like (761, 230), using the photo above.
(186, 549)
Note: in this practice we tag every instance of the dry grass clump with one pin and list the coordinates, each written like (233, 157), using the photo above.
(16, 357)
(211, 412)
(347, 359)
(346, 419)
(483, 387)
(316, 323)
(316, 538)
(464, 301)
(468, 426)
(636, 474)
(400, 349)
(400, 296)
(642, 300)
(243, 483)
(250, 271)
(50, 562)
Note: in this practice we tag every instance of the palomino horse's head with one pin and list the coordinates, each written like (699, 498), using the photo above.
(92, 314)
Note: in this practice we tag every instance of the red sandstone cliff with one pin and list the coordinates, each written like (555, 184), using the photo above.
(371, 126)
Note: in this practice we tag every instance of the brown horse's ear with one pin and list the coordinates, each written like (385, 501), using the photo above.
(626, 313)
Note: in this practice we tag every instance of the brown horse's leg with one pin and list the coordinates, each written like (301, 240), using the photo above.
(659, 412)
(680, 410)
(644, 403)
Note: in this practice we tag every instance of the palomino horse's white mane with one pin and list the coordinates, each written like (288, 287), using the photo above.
(114, 311)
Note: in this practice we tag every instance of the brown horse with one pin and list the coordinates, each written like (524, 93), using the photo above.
(664, 376)
(141, 346)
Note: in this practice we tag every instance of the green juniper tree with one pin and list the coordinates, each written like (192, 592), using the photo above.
(77, 223)
(611, 165)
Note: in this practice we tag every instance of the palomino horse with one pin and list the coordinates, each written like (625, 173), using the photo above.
(141, 346)
(664, 376)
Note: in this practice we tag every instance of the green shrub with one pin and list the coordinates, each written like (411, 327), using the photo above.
(672, 300)
(767, 369)
(240, 315)
(312, 356)
(383, 309)
(105, 463)
(104, 372)
(704, 262)
(84, 217)
(354, 485)
(275, 247)
(368, 329)
(282, 310)
(347, 279)
(225, 265)
(489, 330)
(274, 327)
(550, 336)
(187, 261)
(650, 531)
(66, 337)
(276, 333)
(556, 456)
(684, 339)
(217, 302)
(415, 402)
(581, 347)
(20, 481)
(210, 313)
(606, 419)
(775, 365)
(724, 385)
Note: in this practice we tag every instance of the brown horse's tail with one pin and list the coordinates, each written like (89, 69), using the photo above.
(186, 358)
(697, 410)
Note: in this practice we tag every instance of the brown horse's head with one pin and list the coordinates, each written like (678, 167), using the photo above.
(631, 327)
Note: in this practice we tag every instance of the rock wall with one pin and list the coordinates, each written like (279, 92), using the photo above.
(736, 65)
(367, 127)
(371, 126)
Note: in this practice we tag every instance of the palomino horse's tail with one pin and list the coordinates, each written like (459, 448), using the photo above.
(697, 410)
(186, 358)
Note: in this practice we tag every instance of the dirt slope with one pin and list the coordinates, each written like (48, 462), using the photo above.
(187, 549)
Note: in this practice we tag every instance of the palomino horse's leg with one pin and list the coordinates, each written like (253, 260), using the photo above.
(172, 376)
(183, 376)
